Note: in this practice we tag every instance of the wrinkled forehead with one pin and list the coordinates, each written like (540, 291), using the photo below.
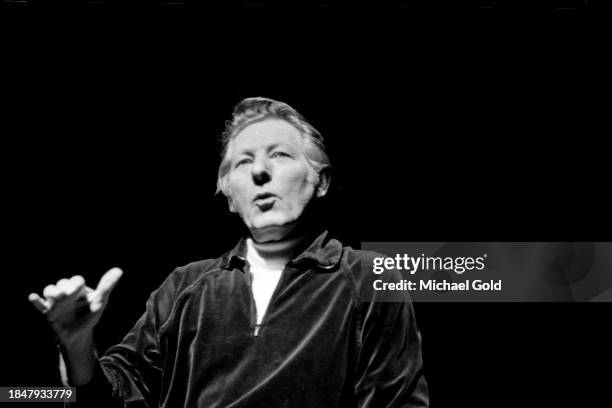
(264, 134)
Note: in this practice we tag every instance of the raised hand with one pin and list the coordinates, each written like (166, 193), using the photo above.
(72, 308)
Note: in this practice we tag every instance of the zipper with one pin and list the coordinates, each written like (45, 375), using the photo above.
(256, 326)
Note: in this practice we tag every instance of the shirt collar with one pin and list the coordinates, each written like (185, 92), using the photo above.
(325, 252)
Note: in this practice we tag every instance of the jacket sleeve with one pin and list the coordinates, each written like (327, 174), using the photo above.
(389, 370)
(128, 375)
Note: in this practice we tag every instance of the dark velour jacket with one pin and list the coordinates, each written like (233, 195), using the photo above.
(319, 344)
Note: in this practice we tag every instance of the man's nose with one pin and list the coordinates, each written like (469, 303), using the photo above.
(260, 172)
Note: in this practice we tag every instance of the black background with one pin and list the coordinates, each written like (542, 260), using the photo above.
(467, 121)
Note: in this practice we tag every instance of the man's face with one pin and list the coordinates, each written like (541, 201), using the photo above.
(270, 180)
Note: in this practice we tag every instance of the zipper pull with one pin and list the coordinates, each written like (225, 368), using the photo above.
(256, 330)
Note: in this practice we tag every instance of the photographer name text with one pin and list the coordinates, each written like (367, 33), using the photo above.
(439, 285)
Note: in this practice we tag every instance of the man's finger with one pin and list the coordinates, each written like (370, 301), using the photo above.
(109, 281)
(79, 292)
(50, 291)
(63, 286)
(77, 281)
(38, 302)
(74, 287)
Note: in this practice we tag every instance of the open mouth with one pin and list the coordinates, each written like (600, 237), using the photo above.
(264, 201)
(263, 197)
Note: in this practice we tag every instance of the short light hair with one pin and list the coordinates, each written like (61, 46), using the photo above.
(253, 110)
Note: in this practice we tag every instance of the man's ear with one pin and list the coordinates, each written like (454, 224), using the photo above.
(224, 189)
(230, 204)
(324, 182)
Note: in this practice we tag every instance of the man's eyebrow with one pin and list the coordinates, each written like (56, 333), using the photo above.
(249, 151)
(278, 144)
(245, 151)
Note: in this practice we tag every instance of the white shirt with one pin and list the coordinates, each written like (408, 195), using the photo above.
(266, 262)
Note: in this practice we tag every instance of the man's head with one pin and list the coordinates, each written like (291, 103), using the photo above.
(273, 164)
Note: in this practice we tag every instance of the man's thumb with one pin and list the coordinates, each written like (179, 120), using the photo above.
(108, 281)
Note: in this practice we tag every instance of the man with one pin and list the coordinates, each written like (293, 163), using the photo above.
(278, 321)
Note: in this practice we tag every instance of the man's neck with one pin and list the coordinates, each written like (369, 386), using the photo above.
(273, 254)
(274, 234)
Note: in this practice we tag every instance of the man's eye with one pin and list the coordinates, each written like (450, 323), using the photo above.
(280, 154)
(242, 161)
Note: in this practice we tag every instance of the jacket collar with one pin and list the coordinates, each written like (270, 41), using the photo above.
(324, 252)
